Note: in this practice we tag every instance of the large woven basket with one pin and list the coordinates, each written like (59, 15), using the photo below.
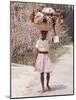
(44, 26)
(39, 17)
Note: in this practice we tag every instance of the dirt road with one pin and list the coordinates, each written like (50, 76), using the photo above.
(26, 82)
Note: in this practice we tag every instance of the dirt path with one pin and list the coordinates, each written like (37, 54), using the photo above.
(26, 82)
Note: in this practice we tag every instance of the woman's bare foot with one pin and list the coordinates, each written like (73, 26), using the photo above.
(43, 90)
(49, 88)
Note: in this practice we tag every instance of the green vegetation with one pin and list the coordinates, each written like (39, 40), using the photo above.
(55, 52)
(24, 34)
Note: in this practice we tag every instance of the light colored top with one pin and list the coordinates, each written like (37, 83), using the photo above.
(42, 45)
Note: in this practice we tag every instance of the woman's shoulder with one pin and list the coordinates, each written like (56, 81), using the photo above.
(46, 40)
(38, 41)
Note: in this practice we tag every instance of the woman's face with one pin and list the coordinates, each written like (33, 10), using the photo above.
(44, 34)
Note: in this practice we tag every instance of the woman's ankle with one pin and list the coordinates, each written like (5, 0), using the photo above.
(43, 89)
(48, 86)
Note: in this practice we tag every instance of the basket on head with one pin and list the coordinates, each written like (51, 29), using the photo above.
(44, 26)
(42, 19)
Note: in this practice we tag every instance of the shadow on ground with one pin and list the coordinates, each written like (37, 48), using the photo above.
(58, 87)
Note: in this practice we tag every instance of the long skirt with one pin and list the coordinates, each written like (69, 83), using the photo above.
(43, 63)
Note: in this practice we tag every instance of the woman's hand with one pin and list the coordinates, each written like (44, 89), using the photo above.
(35, 58)
(33, 64)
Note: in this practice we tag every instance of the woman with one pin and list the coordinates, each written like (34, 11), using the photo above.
(43, 63)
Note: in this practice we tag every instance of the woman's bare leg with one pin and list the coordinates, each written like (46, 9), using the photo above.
(48, 79)
(42, 80)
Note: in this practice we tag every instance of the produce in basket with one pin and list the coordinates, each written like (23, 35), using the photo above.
(45, 19)
(42, 19)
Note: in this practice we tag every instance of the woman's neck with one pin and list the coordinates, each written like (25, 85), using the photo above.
(43, 38)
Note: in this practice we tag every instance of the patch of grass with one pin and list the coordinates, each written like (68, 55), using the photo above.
(56, 52)
(28, 59)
